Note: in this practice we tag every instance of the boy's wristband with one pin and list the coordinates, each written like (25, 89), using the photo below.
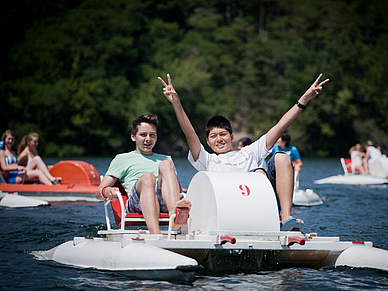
(102, 192)
(300, 105)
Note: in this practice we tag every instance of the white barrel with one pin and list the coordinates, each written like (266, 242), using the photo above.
(379, 167)
(226, 201)
(363, 257)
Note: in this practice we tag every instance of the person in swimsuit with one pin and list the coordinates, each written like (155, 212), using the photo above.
(28, 156)
(15, 173)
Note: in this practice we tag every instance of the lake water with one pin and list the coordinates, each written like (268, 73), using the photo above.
(350, 212)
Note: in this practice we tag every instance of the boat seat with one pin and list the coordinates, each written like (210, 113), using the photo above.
(3, 179)
(347, 166)
(129, 219)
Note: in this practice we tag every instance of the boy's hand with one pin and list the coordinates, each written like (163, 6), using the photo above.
(314, 90)
(169, 90)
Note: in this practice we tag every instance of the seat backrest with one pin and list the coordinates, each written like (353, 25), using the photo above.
(131, 219)
(116, 208)
(3, 178)
(347, 166)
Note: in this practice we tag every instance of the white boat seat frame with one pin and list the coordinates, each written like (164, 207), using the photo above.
(131, 219)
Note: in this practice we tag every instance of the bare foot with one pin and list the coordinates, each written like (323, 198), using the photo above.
(57, 180)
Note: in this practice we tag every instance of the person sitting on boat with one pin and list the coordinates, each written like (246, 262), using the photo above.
(28, 156)
(220, 136)
(372, 153)
(149, 178)
(15, 173)
(358, 159)
(243, 142)
(283, 145)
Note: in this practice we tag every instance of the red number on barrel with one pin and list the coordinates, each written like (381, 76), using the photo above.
(245, 190)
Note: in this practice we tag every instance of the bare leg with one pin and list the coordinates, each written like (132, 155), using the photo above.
(145, 187)
(284, 184)
(20, 178)
(365, 166)
(37, 163)
(171, 188)
(361, 169)
(40, 175)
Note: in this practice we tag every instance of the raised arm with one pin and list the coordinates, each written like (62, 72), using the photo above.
(184, 122)
(275, 132)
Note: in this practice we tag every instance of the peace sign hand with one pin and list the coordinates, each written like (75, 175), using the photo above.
(315, 89)
(169, 90)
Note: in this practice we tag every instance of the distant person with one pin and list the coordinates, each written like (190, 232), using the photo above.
(149, 179)
(358, 159)
(379, 148)
(28, 156)
(243, 142)
(219, 137)
(15, 173)
(372, 153)
(283, 145)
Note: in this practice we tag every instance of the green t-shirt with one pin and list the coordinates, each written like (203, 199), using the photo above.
(129, 167)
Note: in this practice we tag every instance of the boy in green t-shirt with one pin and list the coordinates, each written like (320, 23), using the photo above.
(149, 178)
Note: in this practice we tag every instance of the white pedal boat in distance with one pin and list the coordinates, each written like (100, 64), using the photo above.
(233, 227)
(377, 168)
(306, 197)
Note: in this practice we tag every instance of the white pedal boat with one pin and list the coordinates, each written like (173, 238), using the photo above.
(233, 227)
(378, 169)
(14, 200)
(306, 197)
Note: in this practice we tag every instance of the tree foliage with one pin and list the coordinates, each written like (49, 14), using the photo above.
(79, 72)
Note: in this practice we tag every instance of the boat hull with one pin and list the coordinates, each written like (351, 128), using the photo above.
(137, 260)
(353, 179)
(306, 198)
(220, 236)
(19, 201)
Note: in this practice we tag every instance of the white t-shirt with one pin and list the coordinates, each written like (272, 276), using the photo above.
(248, 158)
(374, 153)
(356, 158)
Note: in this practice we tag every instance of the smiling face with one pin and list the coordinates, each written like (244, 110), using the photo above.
(220, 140)
(145, 138)
(9, 141)
(33, 143)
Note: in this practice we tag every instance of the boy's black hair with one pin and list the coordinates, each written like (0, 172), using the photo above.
(286, 137)
(147, 118)
(218, 122)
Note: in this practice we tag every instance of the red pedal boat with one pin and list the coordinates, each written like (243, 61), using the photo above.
(80, 181)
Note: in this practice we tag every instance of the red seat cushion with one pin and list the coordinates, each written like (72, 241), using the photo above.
(117, 210)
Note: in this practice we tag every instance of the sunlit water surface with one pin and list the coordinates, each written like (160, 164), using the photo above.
(350, 212)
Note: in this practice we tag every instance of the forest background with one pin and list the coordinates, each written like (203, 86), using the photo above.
(79, 72)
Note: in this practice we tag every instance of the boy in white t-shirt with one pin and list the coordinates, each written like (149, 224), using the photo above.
(149, 178)
(220, 136)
